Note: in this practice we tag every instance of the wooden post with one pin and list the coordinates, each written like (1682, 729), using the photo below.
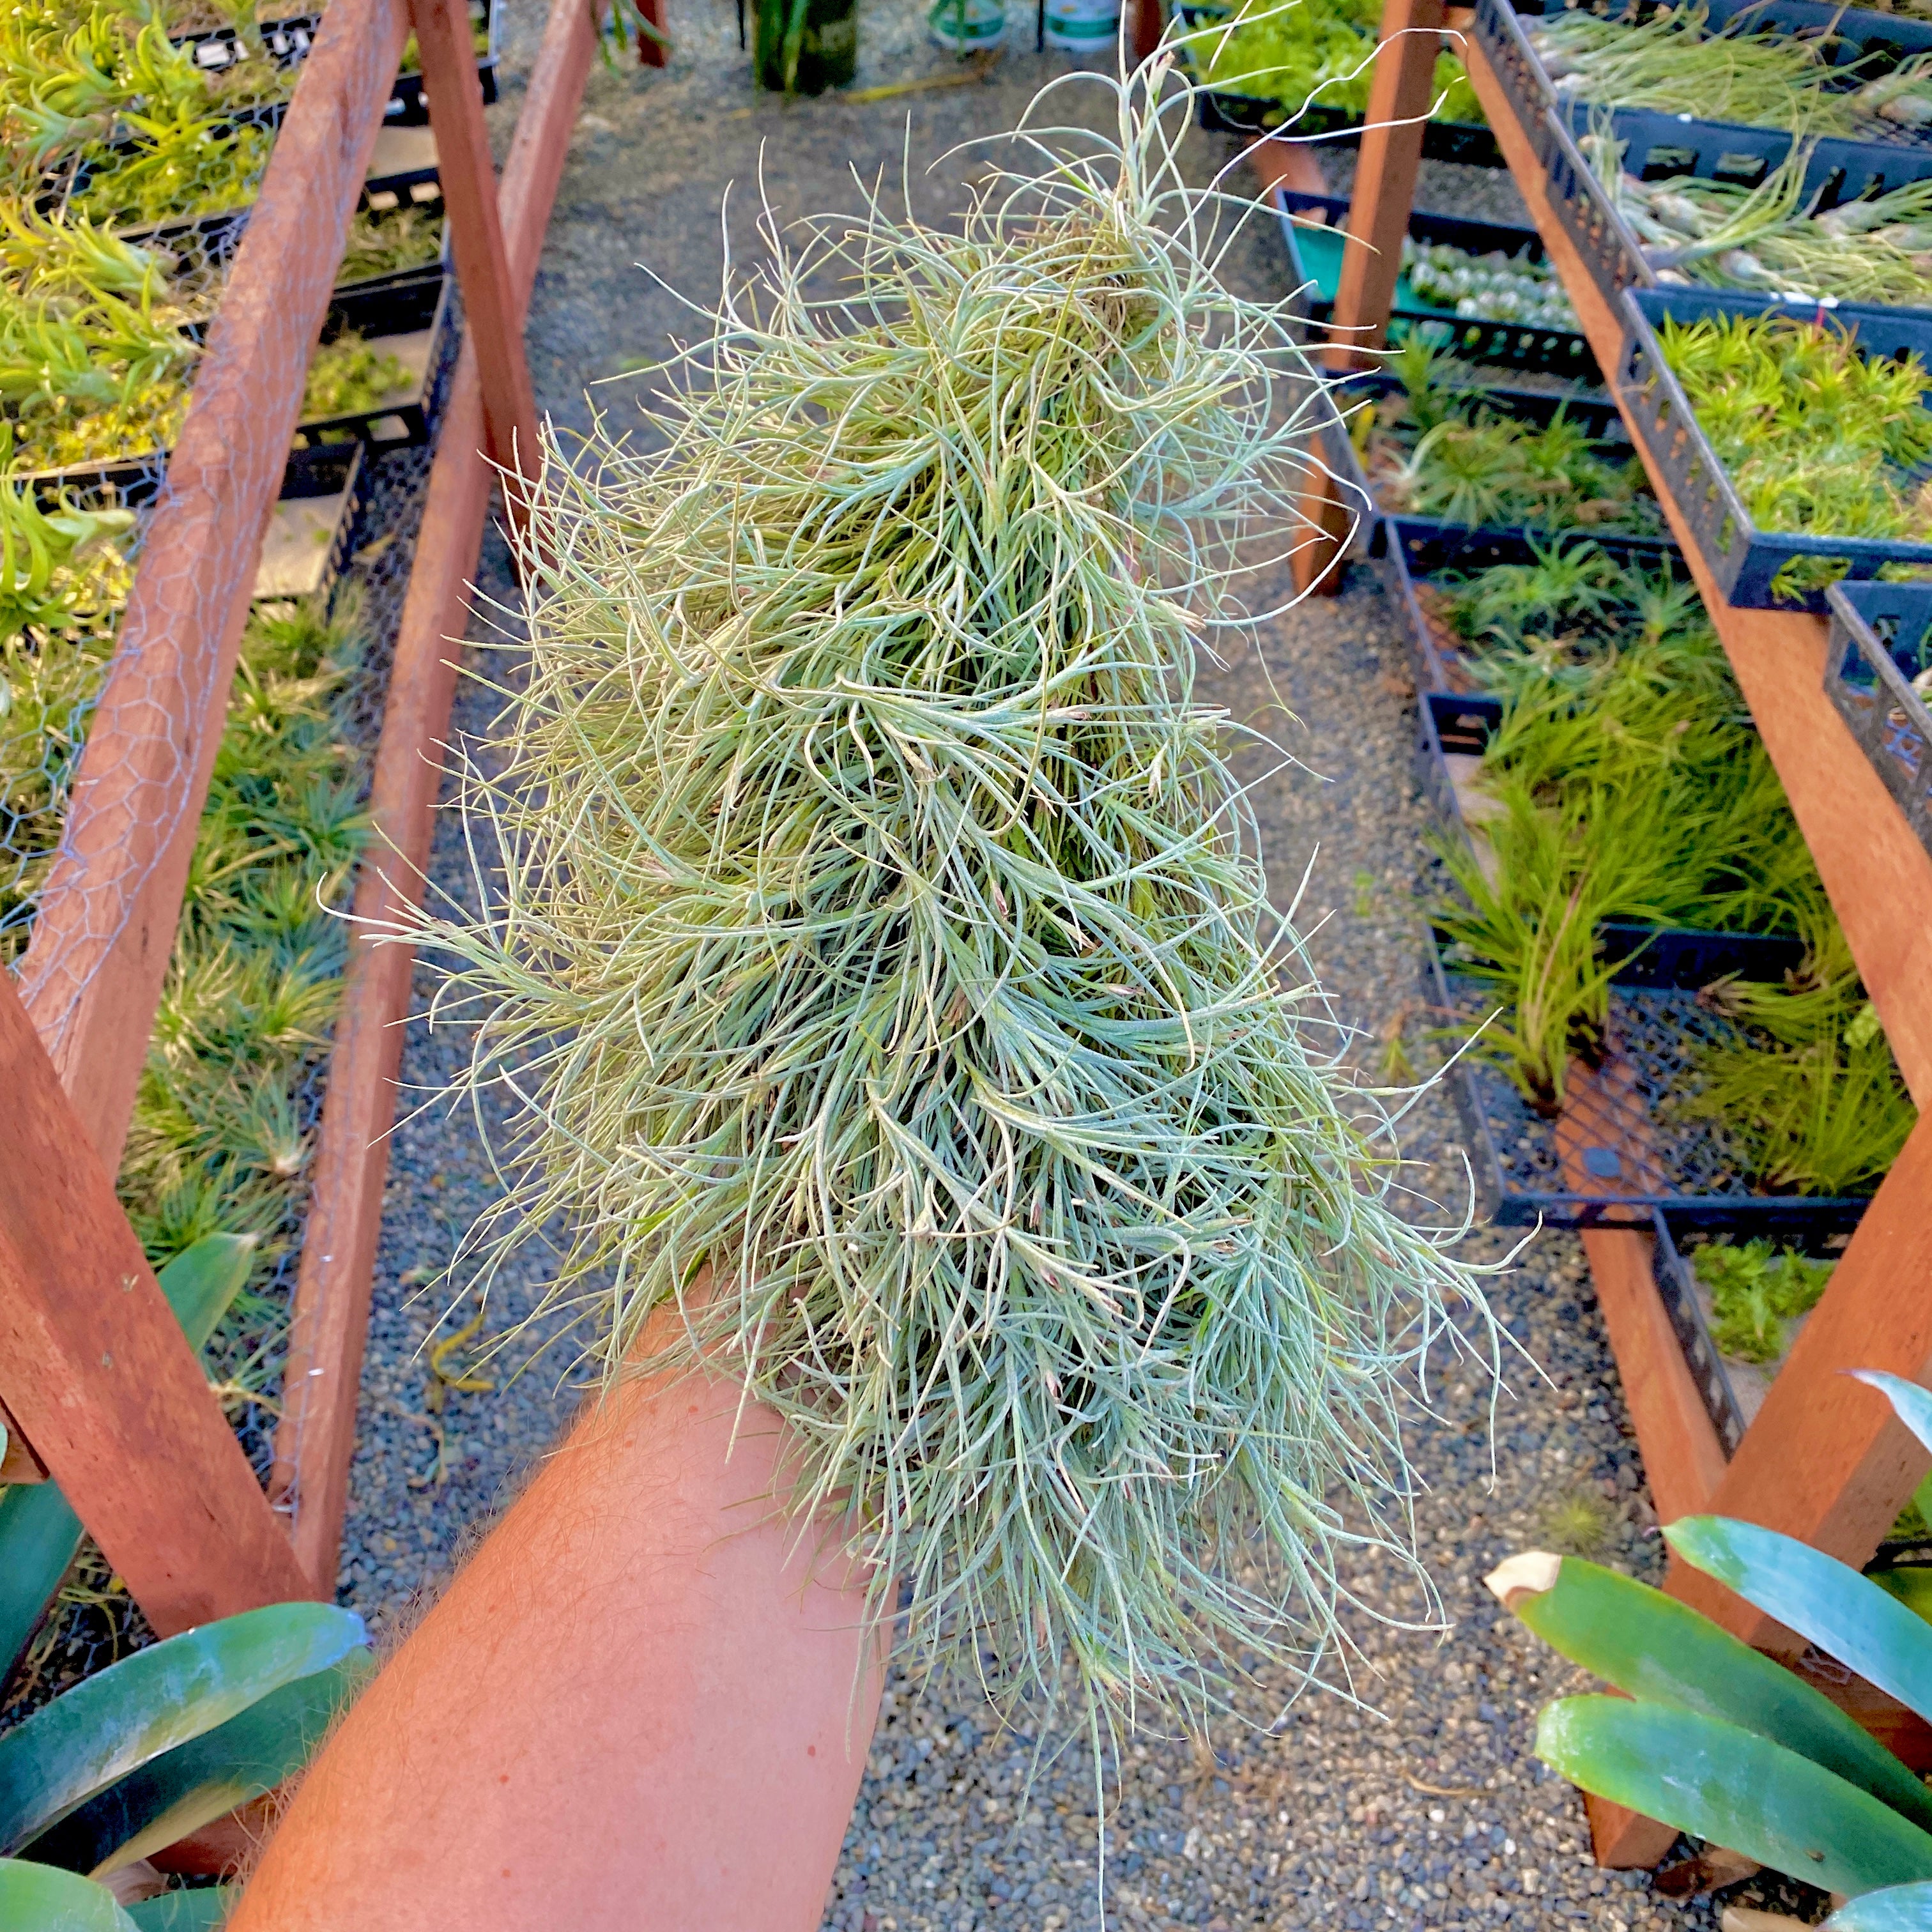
(1826, 1460)
(1400, 95)
(331, 1313)
(96, 1369)
(1149, 21)
(493, 318)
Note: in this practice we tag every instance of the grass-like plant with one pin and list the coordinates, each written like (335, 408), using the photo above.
(883, 932)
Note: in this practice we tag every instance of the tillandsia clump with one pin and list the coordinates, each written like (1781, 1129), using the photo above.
(1818, 437)
(1674, 63)
(1305, 54)
(883, 938)
(1774, 238)
(1438, 448)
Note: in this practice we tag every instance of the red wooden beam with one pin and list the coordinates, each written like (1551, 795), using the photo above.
(91, 978)
(331, 1315)
(492, 316)
(96, 1369)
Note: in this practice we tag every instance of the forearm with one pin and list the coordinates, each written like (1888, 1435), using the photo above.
(640, 1704)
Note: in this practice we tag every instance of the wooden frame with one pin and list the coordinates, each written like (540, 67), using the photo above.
(97, 1386)
(1825, 1460)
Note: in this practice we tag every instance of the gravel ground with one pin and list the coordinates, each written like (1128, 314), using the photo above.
(1422, 1805)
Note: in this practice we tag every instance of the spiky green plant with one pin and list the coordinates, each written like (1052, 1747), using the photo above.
(882, 939)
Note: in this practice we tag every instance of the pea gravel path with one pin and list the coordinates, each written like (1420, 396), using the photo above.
(1422, 1806)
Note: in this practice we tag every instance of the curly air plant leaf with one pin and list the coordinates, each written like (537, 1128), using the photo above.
(883, 932)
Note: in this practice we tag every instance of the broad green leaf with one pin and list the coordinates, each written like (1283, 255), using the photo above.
(205, 1778)
(38, 1898)
(202, 1910)
(40, 1535)
(1898, 1908)
(1912, 1404)
(1819, 1598)
(1722, 1783)
(93, 1735)
(1650, 1645)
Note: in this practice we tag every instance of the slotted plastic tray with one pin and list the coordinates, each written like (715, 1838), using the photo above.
(1621, 1148)
(1312, 227)
(1881, 639)
(1742, 558)
(1659, 147)
(1599, 415)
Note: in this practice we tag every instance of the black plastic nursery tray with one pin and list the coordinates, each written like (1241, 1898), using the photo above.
(1859, 34)
(409, 321)
(1881, 639)
(1621, 1147)
(1731, 1391)
(1419, 547)
(1742, 558)
(286, 42)
(1313, 227)
(1598, 415)
(305, 548)
(1660, 147)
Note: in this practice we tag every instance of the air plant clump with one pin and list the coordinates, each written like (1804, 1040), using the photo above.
(884, 957)
(1817, 437)
(1492, 287)
(1773, 238)
(1310, 53)
(1438, 449)
(386, 245)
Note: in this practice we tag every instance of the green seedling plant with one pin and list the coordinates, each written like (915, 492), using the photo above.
(159, 1745)
(909, 1015)
(1817, 437)
(1727, 1744)
(1492, 287)
(387, 245)
(1756, 1287)
(1310, 53)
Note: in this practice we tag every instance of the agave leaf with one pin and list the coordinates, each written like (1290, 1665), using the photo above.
(1723, 1783)
(1912, 1404)
(203, 1910)
(38, 1898)
(40, 1534)
(1822, 1599)
(205, 1778)
(1649, 1645)
(94, 1735)
(1898, 1908)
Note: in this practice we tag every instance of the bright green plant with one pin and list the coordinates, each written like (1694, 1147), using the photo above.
(1306, 53)
(906, 960)
(1729, 1745)
(351, 374)
(386, 244)
(1756, 1288)
(159, 1745)
(1817, 437)
(1444, 453)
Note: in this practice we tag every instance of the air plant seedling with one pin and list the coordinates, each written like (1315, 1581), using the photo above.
(884, 951)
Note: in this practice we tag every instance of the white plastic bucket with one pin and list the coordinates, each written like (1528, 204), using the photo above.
(967, 26)
(1082, 26)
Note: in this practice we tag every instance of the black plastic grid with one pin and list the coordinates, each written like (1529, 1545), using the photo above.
(1630, 1146)
(1881, 639)
(1742, 558)
(1515, 345)
(1670, 1269)
(1659, 146)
